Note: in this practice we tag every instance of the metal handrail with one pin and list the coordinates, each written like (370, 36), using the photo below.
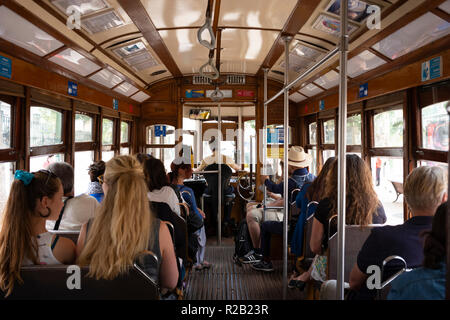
(394, 276)
(330, 55)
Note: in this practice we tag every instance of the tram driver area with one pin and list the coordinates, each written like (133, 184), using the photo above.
(224, 150)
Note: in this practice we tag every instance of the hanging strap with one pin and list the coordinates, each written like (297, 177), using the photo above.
(60, 217)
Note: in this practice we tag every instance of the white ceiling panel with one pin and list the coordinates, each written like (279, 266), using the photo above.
(416, 34)
(248, 47)
(126, 89)
(310, 90)
(175, 13)
(445, 6)
(297, 97)
(15, 29)
(328, 80)
(73, 61)
(185, 49)
(270, 14)
(140, 96)
(106, 78)
(84, 6)
(363, 62)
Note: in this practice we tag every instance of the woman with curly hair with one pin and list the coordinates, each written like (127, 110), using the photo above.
(362, 208)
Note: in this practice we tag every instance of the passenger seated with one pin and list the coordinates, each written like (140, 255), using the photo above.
(425, 189)
(311, 191)
(24, 240)
(96, 170)
(298, 163)
(229, 190)
(158, 184)
(125, 227)
(77, 210)
(427, 282)
(362, 208)
(180, 172)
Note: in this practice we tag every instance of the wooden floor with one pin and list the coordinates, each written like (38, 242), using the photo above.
(227, 281)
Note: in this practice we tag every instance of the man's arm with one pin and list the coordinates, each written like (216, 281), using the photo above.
(357, 278)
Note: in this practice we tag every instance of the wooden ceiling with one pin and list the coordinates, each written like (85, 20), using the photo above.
(249, 35)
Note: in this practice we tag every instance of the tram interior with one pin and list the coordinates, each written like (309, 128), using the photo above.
(83, 81)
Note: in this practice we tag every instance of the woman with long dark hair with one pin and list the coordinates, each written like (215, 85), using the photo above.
(34, 198)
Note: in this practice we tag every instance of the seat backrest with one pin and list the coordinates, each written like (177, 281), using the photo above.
(355, 236)
(59, 282)
(164, 213)
(212, 179)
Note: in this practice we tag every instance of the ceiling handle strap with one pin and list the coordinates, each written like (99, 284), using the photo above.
(215, 74)
(207, 26)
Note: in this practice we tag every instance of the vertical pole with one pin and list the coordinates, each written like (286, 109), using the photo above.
(287, 40)
(447, 283)
(341, 150)
(264, 144)
(219, 202)
(240, 150)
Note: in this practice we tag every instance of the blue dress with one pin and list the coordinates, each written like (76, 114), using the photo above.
(301, 202)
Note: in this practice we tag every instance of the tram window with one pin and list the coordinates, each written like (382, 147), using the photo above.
(328, 130)
(124, 132)
(166, 155)
(155, 134)
(42, 162)
(125, 151)
(386, 170)
(107, 132)
(227, 148)
(328, 154)
(432, 164)
(435, 126)
(388, 128)
(354, 130)
(313, 133)
(7, 174)
(313, 153)
(5, 125)
(107, 155)
(83, 159)
(45, 127)
(83, 128)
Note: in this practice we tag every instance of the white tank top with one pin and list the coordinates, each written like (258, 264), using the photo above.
(45, 254)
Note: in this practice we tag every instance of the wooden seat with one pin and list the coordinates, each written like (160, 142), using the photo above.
(53, 281)
(398, 187)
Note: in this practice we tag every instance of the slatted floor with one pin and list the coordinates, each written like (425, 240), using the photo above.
(228, 281)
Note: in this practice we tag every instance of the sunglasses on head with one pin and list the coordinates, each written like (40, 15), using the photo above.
(49, 174)
(101, 179)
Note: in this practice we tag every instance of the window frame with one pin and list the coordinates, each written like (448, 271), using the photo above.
(12, 154)
(54, 148)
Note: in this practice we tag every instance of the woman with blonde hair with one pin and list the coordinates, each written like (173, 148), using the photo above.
(124, 227)
(24, 240)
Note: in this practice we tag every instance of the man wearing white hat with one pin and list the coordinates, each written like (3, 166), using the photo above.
(298, 163)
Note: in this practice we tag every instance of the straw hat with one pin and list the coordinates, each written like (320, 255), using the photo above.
(297, 157)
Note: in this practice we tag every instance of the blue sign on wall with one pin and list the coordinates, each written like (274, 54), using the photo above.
(116, 104)
(72, 89)
(160, 131)
(363, 90)
(322, 105)
(5, 67)
(275, 135)
(432, 69)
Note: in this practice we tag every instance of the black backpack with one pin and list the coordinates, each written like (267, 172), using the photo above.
(242, 242)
